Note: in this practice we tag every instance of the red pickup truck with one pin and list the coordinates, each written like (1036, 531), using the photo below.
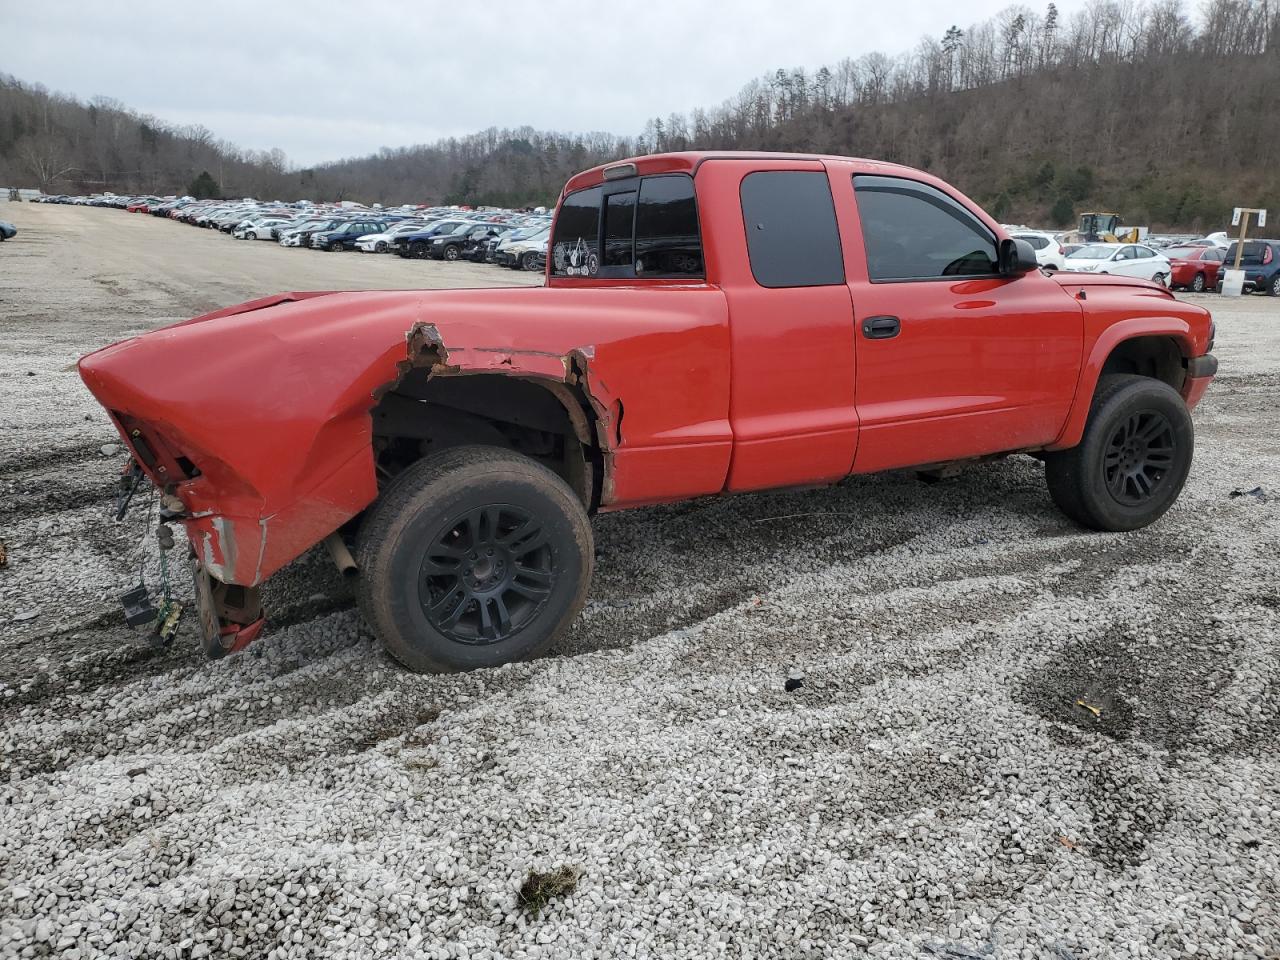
(710, 323)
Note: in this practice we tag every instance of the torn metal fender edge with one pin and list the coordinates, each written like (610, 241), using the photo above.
(559, 373)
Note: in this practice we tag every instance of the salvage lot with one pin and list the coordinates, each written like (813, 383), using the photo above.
(932, 781)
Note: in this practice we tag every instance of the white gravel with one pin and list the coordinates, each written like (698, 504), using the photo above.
(931, 784)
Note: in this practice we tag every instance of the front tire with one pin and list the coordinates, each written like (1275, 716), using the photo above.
(1133, 459)
(1273, 288)
(451, 252)
(474, 557)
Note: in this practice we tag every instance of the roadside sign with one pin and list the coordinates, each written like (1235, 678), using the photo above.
(1240, 218)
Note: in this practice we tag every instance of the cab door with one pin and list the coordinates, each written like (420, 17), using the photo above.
(955, 360)
(771, 234)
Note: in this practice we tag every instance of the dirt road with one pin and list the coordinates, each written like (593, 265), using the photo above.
(932, 781)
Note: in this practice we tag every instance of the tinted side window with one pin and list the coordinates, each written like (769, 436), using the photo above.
(619, 225)
(791, 229)
(915, 232)
(574, 248)
(1037, 243)
(668, 243)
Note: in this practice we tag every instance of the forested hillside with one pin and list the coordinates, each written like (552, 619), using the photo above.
(1132, 106)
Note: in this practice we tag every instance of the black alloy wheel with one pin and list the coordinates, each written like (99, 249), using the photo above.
(1139, 453)
(1132, 460)
(486, 574)
(473, 557)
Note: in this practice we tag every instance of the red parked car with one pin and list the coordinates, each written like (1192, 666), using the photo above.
(711, 323)
(1195, 267)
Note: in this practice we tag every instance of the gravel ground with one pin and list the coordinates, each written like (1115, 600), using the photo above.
(930, 789)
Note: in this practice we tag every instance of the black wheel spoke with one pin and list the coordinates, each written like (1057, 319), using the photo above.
(433, 568)
(504, 615)
(486, 621)
(1155, 426)
(530, 543)
(541, 578)
(451, 608)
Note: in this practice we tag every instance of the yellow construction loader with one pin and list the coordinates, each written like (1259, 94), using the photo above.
(1105, 228)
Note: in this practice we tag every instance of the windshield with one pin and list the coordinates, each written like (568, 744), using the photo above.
(1092, 252)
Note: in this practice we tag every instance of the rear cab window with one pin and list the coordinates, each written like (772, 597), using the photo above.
(635, 228)
(792, 237)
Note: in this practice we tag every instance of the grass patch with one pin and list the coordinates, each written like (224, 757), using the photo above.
(539, 889)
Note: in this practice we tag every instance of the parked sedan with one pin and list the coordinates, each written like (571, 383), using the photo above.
(524, 253)
(300, 235)
(381, 242)
(259, 229)
(1195, 267)
(1049, 253)
(1121, 259)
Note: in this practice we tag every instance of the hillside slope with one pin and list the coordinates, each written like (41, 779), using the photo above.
(1127, 106)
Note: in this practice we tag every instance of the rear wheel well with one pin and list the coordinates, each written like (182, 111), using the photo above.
(545, 420)
(1157, 357)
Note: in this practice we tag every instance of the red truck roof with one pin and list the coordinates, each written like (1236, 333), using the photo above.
(689, 161)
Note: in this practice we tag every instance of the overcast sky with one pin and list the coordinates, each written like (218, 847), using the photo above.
(325, 79)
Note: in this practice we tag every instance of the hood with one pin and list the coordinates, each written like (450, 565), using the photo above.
(1073, 281)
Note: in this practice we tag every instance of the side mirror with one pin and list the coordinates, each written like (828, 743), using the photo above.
(1017, 257)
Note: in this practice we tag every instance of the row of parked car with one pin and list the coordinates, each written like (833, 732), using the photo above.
(1180, 263)
(519, 239)
(508, 238)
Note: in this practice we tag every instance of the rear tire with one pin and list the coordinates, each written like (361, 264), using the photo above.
(1197, 283)
(1273, 288)
(474, 557)
(1133, 459)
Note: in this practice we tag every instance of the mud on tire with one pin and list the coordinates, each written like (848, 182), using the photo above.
(473, 558)
(1133, 459)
